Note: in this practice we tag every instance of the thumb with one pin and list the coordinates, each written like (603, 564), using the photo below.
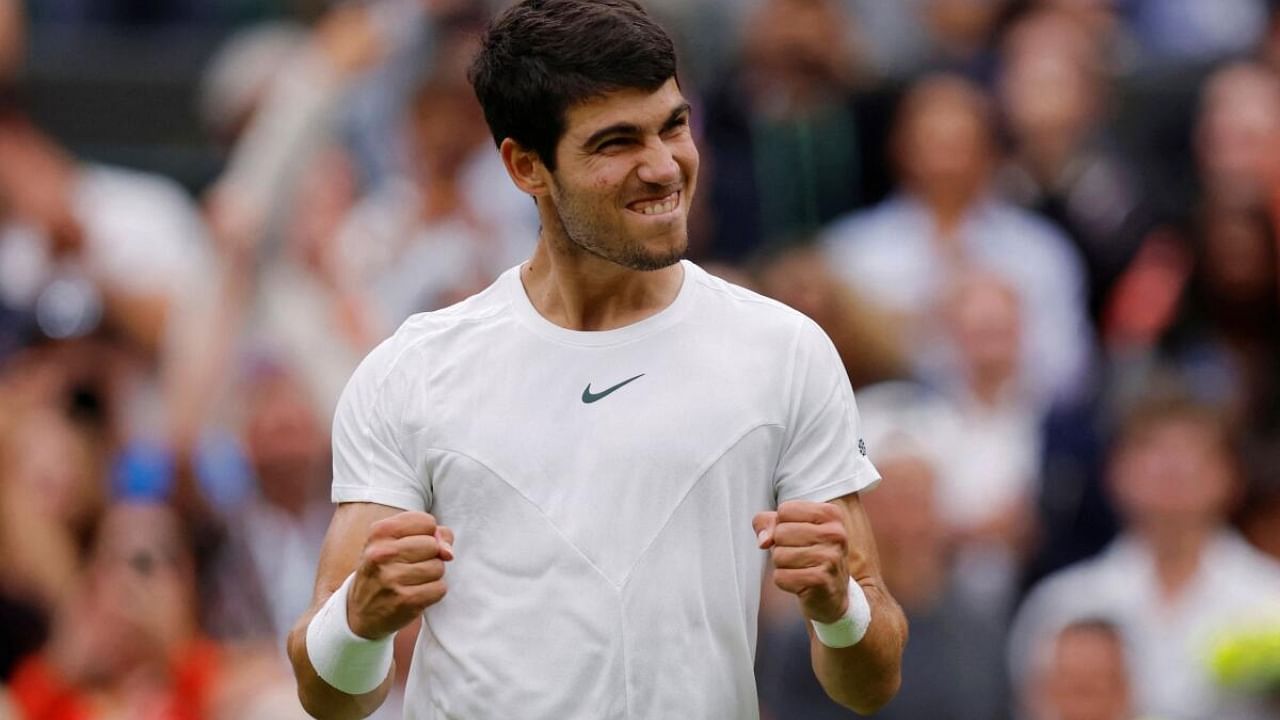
(445, 536)
(763, 523)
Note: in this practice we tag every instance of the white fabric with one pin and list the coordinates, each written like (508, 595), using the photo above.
(1168, 640)
(891, 256)
(346, 661)
(606, 564)
(142, 232)
(852, 626)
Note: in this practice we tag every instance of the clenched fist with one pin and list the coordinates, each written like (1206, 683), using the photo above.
(401, 573)
(809, 546)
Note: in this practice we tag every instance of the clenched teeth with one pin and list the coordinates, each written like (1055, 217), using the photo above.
(659, 207)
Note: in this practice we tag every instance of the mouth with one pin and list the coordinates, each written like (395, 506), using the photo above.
(657, 207)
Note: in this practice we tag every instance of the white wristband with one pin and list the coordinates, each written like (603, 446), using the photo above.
(348, 662)
(848, 630)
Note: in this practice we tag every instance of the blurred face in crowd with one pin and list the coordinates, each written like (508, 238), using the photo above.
(986, 322)
(447, 127)
(1086, 677)
(904, 509)
(626, 172)
(140, 600)
(1047, 87)
(1173, 474)
(797, 48)
(959, 24)
(50, 461)
(286, 444)
(1238, 136)
(943, 143)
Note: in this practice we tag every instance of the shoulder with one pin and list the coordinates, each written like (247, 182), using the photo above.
(425, 340)
(739, 309)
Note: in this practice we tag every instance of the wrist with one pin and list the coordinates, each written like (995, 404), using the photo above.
(849, 629)
(346, 661)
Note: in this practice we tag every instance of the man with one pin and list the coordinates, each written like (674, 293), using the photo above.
(1176, 579)
(603, 432)
(1082, 673)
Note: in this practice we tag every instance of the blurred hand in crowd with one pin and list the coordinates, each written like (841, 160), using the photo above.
(135, 614)
(37, 181)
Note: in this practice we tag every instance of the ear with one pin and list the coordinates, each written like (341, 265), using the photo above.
(525, 168)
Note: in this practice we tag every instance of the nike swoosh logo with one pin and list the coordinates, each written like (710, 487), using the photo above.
(589, 397)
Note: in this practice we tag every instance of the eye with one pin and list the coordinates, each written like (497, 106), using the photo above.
(678, 124)
(613, 144)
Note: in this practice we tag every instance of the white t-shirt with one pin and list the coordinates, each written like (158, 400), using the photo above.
(601, 486)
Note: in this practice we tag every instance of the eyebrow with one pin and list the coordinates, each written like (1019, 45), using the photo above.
(632, 128)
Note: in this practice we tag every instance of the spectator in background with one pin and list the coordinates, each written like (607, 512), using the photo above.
(794, 141)
(1237, 141)
(1175, 577)
(953, 660)
(904, 253)
(126, 643)
(50, 497)
(432, 238)
(1064, 163)
(84, 243)
(264, 574)
(1082, 673)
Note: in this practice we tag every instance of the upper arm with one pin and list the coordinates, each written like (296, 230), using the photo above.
(343, 544)
(863, 558)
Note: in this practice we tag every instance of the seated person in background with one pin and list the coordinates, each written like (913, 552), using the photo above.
(1177, 576)
(126, 643)
(902, 253)
(1082, 674)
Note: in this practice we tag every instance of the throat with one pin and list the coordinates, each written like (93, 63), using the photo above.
(590, 294)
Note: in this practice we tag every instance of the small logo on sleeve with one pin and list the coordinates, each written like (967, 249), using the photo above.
(862, 447)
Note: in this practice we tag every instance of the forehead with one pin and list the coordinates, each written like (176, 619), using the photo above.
(630, 106)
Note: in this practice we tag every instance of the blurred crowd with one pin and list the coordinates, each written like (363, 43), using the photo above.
(1042, 234)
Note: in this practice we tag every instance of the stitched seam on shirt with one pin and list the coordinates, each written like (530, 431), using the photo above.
(702, 474)
(556, 528)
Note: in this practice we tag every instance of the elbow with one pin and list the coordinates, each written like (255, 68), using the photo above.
(873, 699)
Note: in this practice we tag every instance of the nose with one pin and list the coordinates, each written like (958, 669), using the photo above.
(659, 166)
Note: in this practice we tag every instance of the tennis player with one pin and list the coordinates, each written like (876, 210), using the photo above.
(578, 476)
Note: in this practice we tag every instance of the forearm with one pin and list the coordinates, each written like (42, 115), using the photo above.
(864, 677)
(320, 699)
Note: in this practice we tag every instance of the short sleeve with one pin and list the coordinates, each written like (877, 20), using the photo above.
(369, 464)
(823, 455)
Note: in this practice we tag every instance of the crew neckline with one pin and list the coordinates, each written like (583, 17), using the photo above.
(661, 320)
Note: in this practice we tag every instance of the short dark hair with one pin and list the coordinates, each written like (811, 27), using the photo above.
(540, 57)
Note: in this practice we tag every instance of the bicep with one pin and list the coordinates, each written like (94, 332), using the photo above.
(344, 542)
(863, 558)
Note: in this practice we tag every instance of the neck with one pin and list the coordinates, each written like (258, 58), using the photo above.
(988, 386)
(1177, 555)
(948, 209)
(580, 291)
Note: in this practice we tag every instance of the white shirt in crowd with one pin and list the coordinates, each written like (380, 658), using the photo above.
(402, 265)
(1170, 641)
(891, 256)
(601, 487)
